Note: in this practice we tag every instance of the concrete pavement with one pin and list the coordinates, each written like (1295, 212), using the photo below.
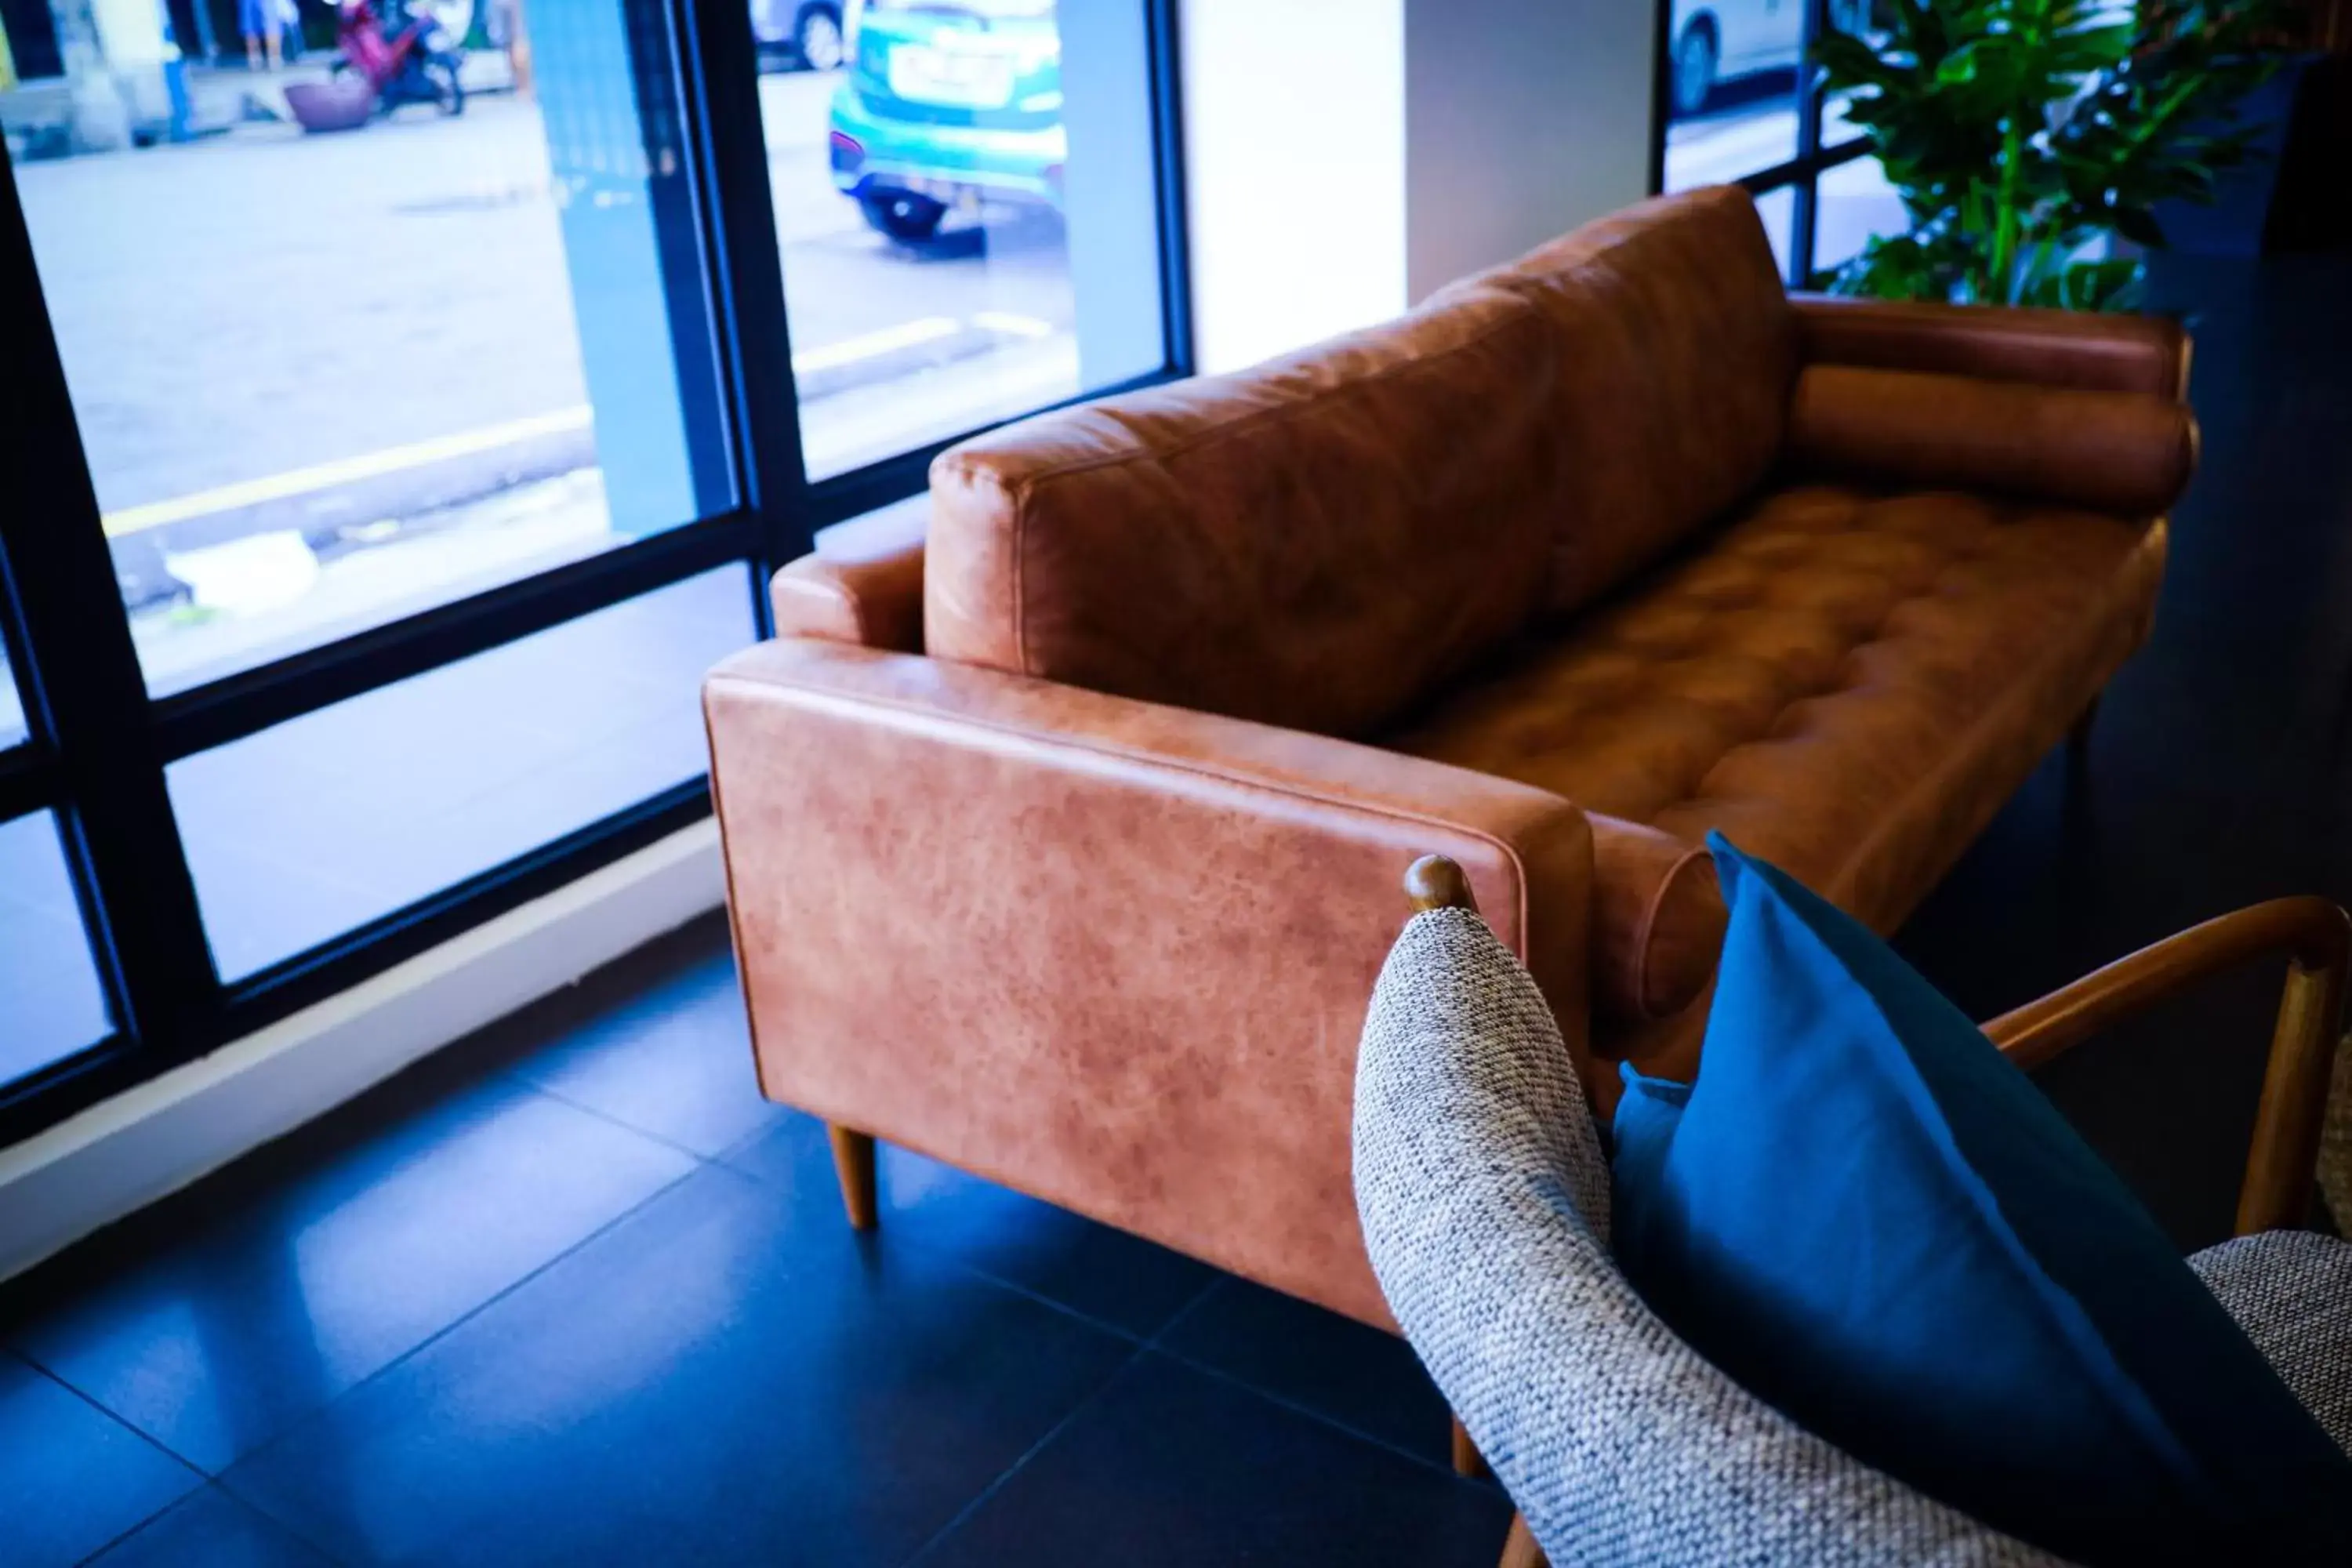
(267, 332)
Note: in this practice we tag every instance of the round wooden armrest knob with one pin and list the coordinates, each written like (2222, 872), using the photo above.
(1433, 882)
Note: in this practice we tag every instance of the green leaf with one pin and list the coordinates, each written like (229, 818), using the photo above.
(2019, 133)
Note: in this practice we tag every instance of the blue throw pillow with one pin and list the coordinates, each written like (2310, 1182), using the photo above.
(1866, 1214)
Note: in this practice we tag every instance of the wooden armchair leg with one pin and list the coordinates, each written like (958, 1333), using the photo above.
(1468, 1460)
(1519, 1548)
(853, 1161)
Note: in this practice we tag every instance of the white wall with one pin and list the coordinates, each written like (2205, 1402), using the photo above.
(1523, 118)
(1294, 171)
(1343, 158)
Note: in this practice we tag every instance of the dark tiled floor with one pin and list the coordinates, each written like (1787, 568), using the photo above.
(572, 1292)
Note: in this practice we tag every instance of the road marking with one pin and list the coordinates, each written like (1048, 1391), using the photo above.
(1012, 325)
(343, 471)
(849, 351)
(415, 454)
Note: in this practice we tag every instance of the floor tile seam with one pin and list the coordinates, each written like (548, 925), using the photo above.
(291, 1527)
(241, 1501)
(313, 1415)
(942, 1252)
(1295, 1407)
(42, 1369)
(938, 1252)
(95, 1553)
(727, 1156)
(980, 1499)
(515, 1075)
(1192, 1305)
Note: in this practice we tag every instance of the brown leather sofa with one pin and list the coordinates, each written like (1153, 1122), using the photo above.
(1063, 845)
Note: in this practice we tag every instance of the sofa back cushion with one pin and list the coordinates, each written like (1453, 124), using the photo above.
(2129, 453)
(1315, 543)
(1679, 349)
(1323, 540)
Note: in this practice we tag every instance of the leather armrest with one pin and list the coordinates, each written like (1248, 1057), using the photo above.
(1114, 953)
(2079, 350)
(2117, 452)
(1657, 921)
(859, 586)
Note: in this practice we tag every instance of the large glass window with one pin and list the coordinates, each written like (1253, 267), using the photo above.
(311, 828)
(325, 378)
(402, 423)
(1731, 89)
(1853, 203)
(1762, 120)
(965, 214)
(12, 706)
(50, 1002)
(1778, 207)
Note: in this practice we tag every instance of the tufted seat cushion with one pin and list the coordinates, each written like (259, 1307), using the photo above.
(1118, 747)
(1845, 682)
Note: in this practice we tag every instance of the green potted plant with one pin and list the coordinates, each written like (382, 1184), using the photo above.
(2026, 136)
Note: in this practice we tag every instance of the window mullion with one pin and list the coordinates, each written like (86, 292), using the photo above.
(85, 693)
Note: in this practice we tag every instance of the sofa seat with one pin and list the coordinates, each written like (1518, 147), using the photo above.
(1846, 683)
(1062, 842)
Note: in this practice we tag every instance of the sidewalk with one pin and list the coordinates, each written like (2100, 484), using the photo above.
(323, 380)
(222, 98)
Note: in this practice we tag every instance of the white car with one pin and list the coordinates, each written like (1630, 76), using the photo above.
(809, 29)
(1714, 40)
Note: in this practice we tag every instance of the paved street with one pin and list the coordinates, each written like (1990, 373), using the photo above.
(270, 301)
(317, 321)
(266, 304)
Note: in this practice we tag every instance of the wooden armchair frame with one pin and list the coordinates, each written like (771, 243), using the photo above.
(2281, 1166)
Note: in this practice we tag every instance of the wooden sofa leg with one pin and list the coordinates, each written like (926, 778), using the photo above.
(1468, 1460)
(1519, 1548)
(2078, 739)
(853, 1161)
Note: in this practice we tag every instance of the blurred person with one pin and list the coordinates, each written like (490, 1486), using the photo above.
(503, 24)
(260, 22)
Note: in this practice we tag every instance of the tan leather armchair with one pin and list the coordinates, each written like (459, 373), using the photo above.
(1061, 844)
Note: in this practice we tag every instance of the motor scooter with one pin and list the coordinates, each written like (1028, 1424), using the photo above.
(402, 50)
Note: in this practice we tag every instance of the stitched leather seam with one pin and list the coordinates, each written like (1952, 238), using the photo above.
(734, 917)
(2106, 349)
(1649, 930)
(1009, 499)
(1248, 422)
(858, 619)
(851, 704)
(1954, 757)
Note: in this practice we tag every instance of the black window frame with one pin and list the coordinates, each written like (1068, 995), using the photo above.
(1800, 173)
(98, 743)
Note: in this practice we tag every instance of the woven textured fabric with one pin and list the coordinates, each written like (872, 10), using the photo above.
(2292, 1292)
(1485, 1200)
